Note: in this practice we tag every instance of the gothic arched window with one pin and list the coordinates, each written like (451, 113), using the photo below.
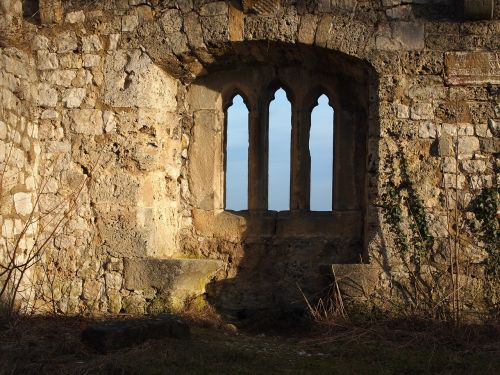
(322, 155)
(236, 156)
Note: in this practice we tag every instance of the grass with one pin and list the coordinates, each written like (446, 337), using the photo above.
(52, 346)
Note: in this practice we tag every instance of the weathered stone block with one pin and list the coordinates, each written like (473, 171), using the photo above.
(92, 289)
(114, 301)
(75, 17)
(427, 130)
(467, 146)
(222, 224)
(215, 29)
(134, 304)
(61, 77)
(214, 9)
(326, 225)
(130, 23)
(323, 30)
(401, 35)
(403, 12)
(180, 278)
(113, 41)
(46, 96)
(200, 97)
(109, 120)
(91, 44)
(171, 20)
(87, 121)
(40, 42)
(236, 24)
(446, 146)
(474, 166)
(119, 334)
(23, 203)
(57, 147)
(47, 60)
(204, 173)
(307, 29)
(113, 280)
(132, 80)
(73, 97)
(67, 42)
(403, 111)
(422, 111)
(90, 60)
(51, 11)
(356, 281)
(482, 130)
(70, 61)
(3, 130)
(15, 66)
(193, 29)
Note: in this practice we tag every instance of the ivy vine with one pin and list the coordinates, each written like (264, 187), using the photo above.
(487, 227)
(395, 196)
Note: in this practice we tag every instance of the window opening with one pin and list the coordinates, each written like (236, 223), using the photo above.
(280, 126)
(322, 156)
(236, 192)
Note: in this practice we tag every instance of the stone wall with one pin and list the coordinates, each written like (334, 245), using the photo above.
(107, 88)
(19, 159)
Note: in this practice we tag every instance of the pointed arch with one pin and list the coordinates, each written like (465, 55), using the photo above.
(230, 93)
(313, 95)
(276, 85)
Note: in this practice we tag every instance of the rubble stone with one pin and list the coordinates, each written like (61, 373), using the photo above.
(23, 203)
(126, 104)
(87, 121)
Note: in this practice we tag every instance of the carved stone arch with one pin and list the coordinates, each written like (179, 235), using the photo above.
(275, 85)
(312, 96)
(344, 79)
(230, 92)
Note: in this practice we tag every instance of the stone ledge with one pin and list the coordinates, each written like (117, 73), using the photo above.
(178, 278)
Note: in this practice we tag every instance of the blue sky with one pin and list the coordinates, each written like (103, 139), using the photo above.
(321, 146)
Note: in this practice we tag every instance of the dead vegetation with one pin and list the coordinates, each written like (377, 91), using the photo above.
(32, 232)
(52, 346)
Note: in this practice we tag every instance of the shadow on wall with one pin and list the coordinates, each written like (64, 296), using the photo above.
(266, 270)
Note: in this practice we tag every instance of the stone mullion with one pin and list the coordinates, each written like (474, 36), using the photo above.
(344, 183)
(301, 160)
(258, 121)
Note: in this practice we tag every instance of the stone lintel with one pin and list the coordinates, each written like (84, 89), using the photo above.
(472, 68)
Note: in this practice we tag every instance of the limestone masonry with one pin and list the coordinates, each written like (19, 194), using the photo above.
(112, 153)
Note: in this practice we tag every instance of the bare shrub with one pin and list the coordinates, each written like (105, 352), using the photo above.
(28, 235)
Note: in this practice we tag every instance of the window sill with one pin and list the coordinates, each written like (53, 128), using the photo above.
(234, 225)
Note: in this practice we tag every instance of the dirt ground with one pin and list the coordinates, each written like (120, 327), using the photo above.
(52, 346)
